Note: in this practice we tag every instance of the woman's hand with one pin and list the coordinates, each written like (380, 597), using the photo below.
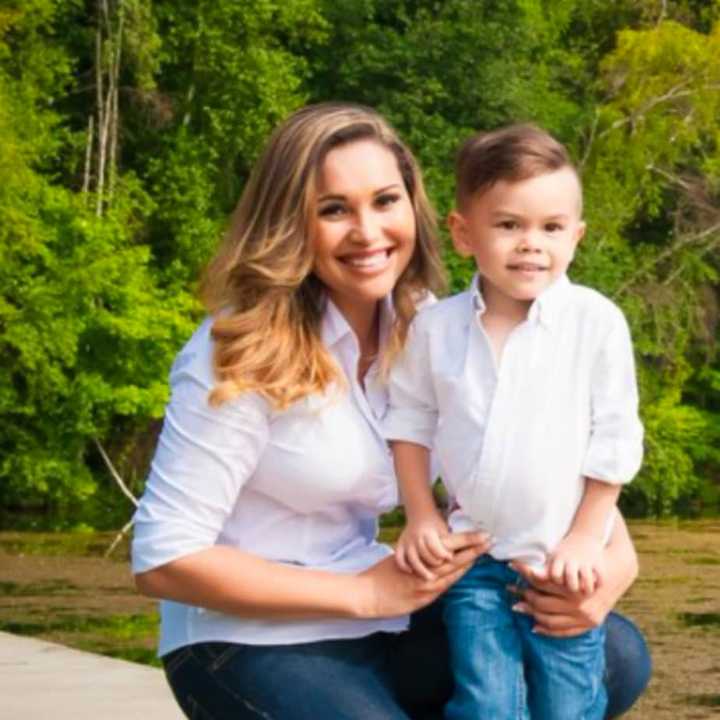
(562, 613)
(557, 610)
(387, 591)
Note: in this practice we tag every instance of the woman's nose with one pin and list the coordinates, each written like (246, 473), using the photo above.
(366, 228)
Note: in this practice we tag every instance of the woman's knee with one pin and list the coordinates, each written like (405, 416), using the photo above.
(628, 664)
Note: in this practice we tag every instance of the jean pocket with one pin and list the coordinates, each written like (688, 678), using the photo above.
(175, 660)
(195, 711)
(215, 655)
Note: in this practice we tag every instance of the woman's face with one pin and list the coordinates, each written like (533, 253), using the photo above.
(363, 228)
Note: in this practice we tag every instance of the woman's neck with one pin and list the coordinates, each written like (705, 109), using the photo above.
(364, 320)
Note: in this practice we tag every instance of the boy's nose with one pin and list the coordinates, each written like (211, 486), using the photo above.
(529, 242)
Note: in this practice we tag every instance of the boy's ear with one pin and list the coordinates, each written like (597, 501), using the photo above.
(580, 232)
(457, 224)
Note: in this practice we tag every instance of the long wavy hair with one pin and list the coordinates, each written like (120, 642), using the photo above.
(266, 302)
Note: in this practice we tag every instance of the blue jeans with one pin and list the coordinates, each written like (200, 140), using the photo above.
(504, 671)
(380, 677)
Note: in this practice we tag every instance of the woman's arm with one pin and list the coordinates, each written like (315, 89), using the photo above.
(231, 581)
(562, 613)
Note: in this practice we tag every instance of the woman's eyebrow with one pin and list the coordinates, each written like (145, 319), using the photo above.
(340, 196)
(394, 186)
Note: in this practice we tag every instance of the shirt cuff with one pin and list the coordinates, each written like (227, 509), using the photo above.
(410, 426)
(615, 462)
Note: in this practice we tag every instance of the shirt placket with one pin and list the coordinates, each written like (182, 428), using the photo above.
(489, 480)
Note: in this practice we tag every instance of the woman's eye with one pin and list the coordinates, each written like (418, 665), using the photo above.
(332, 210)
(386, 199)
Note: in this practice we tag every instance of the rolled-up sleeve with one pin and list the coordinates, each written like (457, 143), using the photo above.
(412, 413)
(615, 449)
(203, 458)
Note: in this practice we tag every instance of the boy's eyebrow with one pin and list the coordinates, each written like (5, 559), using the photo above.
(509, 213)
(338, 196)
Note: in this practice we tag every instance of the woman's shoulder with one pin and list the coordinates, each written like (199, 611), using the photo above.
(193, 375)
(195, 357)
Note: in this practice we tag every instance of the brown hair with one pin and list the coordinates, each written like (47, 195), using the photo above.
(512, 153)
(268, 305)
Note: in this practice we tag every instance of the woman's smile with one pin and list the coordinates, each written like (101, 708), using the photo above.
(368, 262)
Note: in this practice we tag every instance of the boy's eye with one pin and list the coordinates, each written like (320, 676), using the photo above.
(553, 227)
(508, 224)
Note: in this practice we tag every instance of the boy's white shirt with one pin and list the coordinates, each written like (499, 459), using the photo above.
(515, 442)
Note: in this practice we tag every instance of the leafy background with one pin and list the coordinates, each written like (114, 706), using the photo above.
(127, 130)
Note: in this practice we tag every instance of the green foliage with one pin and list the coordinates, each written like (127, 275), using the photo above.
(86, 333)
(92, 308)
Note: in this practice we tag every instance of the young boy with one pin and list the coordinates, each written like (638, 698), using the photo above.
(525, 386)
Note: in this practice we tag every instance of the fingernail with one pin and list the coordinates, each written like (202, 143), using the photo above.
(520, 608)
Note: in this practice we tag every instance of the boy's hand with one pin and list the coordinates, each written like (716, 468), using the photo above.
(421, 546)
(578, 563)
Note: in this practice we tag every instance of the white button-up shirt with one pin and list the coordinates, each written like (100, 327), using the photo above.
(515, 442)
(303, 486)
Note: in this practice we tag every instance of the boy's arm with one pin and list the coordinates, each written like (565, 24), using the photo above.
(561, 613)
(613, 457)
(615, 449)
(578, 559)
(420, 546)
(410, 427)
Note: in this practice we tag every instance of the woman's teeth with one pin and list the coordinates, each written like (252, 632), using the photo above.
(368, 261)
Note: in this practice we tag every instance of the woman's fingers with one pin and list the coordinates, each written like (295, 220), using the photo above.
(570, 631)
(462, 540)
(443, 582)
(552, 623)
(546, 602)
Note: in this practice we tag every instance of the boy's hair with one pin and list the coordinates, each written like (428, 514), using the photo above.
(511, 153)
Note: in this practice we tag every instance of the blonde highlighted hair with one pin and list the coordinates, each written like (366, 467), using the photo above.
(268, 305)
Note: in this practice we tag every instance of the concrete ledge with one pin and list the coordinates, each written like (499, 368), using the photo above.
(44, 681)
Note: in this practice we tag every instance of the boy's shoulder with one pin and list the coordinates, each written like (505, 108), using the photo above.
(442, 310)
(591, 304)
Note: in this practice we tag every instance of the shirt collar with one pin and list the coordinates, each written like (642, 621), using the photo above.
(545, 309)
(335, 327)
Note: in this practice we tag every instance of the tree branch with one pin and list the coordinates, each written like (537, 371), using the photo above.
(115, 473)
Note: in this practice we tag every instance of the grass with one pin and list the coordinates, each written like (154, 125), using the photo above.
(59, 587)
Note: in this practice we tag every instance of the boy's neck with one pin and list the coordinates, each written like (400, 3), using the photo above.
(502, 315)
(503, 307)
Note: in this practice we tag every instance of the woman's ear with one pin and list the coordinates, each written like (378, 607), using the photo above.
(458, 226)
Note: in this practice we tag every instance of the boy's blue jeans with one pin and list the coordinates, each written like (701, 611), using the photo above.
(504, 671)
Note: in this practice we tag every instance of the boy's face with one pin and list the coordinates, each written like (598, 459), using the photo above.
(522, 234)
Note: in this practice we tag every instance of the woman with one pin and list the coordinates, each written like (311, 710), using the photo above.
(258, 524)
